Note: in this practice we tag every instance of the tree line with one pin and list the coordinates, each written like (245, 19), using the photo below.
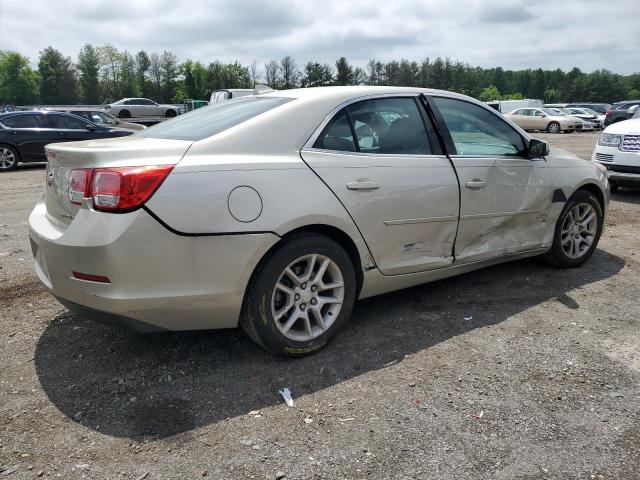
(105, 74)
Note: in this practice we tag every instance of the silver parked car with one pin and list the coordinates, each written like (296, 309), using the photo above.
(140, 107)
(342, 193)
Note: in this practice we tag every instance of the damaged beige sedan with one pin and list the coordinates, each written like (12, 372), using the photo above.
(277, 211)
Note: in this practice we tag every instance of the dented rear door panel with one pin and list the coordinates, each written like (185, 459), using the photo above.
(410, 216)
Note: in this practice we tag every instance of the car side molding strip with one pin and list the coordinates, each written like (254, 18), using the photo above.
(203, 234)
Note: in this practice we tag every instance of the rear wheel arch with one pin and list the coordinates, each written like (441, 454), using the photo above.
(335, 234)
(14, 148)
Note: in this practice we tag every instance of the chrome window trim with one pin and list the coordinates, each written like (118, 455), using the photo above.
(314, 136)
(372, 155)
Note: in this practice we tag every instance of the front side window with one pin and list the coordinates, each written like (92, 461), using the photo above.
(207, 121)
(385, 126)
(23, 121)
(477, 132)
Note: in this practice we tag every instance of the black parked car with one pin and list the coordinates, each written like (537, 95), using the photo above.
(621, 111)
(598, 107)
(23, 135)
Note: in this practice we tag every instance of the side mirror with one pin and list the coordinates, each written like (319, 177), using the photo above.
(538, 148)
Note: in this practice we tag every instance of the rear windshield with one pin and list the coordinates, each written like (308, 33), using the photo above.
(207, 121)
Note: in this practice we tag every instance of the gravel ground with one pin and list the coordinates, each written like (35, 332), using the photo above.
(542, 382)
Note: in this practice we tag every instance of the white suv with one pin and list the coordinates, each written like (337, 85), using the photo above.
(619, 150)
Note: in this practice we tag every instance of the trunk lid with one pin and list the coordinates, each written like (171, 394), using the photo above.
(113, 152)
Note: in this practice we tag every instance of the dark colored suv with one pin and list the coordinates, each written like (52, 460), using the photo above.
(620, 111)
(23, 135)
(598, 107)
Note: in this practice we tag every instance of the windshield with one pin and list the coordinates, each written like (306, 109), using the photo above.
(207, 121)
(100, 118)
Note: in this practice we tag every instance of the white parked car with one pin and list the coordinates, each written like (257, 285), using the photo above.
(619, 150)
(597, 119)
(140, 107)
(341, 193)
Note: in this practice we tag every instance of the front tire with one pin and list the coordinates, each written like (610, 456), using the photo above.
(8, 158)
(577, 231)
(300, 296)
(170, 113)
(554, 127)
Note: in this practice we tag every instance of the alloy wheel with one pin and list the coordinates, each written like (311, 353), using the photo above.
(7, 159)
(307, 297)
(579, 230)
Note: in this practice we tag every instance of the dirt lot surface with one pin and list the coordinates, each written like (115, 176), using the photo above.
(519, 371)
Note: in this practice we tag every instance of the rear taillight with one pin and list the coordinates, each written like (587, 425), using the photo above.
(79, 185)
(120, 189)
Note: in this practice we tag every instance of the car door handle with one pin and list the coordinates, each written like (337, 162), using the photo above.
(362, 186)
(476, 184)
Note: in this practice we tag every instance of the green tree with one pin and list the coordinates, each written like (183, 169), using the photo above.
(169, 69)
(58, 78)
(110, 60)
(89, 68)
(316, 75)
(127, 78)
(19, 84)
(489, 93)
(142, 66)
(272, 74)
(344, 72)
(289, 71)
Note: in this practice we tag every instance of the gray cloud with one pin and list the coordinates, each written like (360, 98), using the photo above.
(512, 34)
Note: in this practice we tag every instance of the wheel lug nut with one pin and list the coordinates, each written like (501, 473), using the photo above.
(303, 286)
(303, 306)
(313, 301)
(297, 296)
(313, 288)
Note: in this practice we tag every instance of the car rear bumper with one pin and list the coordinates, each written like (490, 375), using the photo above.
(158, 279)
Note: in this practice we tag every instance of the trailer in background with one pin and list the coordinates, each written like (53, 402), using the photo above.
(506, 106)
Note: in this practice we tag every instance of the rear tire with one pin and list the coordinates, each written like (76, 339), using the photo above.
(8, 158)
(124, 114)
(299, 296)
(554, 127)
(577, 231)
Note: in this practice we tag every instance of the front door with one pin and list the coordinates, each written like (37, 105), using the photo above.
(382, 160)
(505, 196)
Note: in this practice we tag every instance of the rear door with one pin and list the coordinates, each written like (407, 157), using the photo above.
(505, 196)
(29, 133)
(382, 160)
(69, 128)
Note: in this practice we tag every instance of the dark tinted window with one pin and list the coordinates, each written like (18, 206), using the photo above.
(143, 101)
(207, 121)
(389, 126)
(337, 135)
(66, 122)
(384, 126)
(477, 131)
(23, 121)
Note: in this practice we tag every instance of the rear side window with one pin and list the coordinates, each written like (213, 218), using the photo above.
(66, 122)
(385, 126)
(337, 135)
(478, 132)
(23, 121)
(207, 121)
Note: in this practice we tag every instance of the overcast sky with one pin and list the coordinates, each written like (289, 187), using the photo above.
(590, 34)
